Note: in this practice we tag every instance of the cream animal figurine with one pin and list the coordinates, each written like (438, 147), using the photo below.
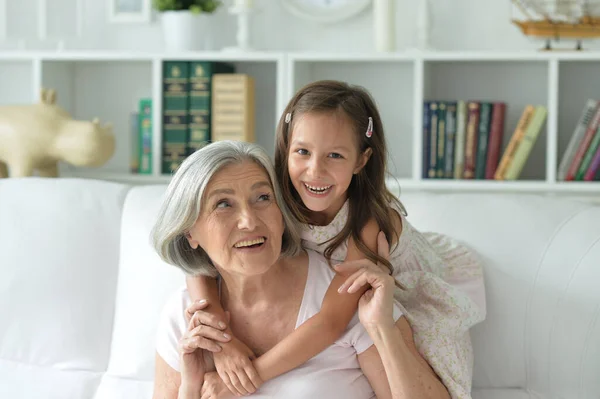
(38, 136)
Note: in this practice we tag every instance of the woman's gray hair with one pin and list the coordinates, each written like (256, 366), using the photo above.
(183, 202)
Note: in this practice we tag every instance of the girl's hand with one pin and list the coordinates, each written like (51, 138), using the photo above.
(235, 367)
(375, 307)
(198, 337)
(214, 387)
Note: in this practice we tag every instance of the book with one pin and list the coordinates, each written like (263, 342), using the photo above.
(232, 107)
(426, 138)
(526, 145)
(201, 80)
(483, 132)
(583, 145)
(515, 140)
(586, 115)
(459, 139)
(175, 119)
(495, 139)
(433, 128)
(145, 137)
(589, 156)
(441, 135)
(450, 139)
(594, 170)
(471, 139)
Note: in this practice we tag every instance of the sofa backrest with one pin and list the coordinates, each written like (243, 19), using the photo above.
(81, 289)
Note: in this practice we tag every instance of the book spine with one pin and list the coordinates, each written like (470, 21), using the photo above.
(526, 145)
(145, 132)
(233, 107)
(588, 112)
(450, 140)
(513, 144)
(589, 155)
(495, 140)
(175, 114)
(583, 146)
(426, 138)
(471, 139)
(483, 133)
(439, 170)
(594, 168)
(201, 74)
(433, 140)
(459, 147)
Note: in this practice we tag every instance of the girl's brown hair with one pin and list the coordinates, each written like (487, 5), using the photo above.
(368, 196)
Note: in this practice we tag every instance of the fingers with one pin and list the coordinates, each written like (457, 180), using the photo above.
(238, 388)
(350, 280)
(191, 344)
(200, 317)
(210, 333)
(383, 247)
(194, 307)
(245, 382)
(227, 382)
(254, 377)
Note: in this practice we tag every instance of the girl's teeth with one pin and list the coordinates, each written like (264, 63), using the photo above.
(317, 190)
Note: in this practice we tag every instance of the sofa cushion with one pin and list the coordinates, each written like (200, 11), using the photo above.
(59, 259)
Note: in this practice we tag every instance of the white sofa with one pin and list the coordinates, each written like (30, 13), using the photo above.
(81, 289)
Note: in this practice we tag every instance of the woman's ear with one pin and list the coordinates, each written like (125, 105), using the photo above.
(363, 158)
(193, 243)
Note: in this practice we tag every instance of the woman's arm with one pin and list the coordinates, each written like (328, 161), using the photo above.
(321, 330)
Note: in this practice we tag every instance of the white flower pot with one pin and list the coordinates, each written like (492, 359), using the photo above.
(185, 31)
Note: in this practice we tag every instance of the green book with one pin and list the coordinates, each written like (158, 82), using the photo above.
(589, 156)
(201, 73)
(175, 120)
(145, 136)
(483, 134)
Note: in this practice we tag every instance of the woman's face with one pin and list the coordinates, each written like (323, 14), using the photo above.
(240, 225)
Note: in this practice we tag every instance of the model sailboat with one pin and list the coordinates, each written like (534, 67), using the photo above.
(559, 19)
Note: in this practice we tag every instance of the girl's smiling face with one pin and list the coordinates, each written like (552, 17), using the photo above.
(323, 156)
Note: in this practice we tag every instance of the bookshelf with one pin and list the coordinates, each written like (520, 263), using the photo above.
(109, 85)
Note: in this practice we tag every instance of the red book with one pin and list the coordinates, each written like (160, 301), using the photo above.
(495, 140)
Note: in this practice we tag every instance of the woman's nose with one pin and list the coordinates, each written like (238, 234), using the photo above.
(246, 219)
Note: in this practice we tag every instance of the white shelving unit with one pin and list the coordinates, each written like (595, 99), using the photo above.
(109, 85)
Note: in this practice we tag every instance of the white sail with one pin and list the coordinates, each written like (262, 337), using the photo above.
(557, 10)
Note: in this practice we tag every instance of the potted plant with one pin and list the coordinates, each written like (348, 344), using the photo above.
(185, 23)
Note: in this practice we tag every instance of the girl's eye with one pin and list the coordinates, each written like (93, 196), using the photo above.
(335, 155)
(222, 204)
(302, 151)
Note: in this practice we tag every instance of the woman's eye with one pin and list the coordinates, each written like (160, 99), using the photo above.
(265, 197)
(222, 204)
(302, 151)
(335, 155)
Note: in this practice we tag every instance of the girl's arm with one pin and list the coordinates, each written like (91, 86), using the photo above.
(205, 288)
(321, 330)
(394, 367)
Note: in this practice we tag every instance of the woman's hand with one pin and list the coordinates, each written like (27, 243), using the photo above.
(200, 336)
(235, 367)
(375, 307)
(214, 387)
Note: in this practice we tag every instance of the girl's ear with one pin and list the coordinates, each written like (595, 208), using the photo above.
(193, 243)
(362, 160)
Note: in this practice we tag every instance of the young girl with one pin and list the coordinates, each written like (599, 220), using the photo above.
(331, 163)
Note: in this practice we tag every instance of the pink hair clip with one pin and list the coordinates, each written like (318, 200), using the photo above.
(370, 128)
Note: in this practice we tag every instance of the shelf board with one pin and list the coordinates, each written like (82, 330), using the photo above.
(522, 186)
(272, 56)
(126, 178)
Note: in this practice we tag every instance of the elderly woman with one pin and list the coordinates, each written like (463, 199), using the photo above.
(223, 215)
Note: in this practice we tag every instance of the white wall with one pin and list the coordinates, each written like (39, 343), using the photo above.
(457, 25)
